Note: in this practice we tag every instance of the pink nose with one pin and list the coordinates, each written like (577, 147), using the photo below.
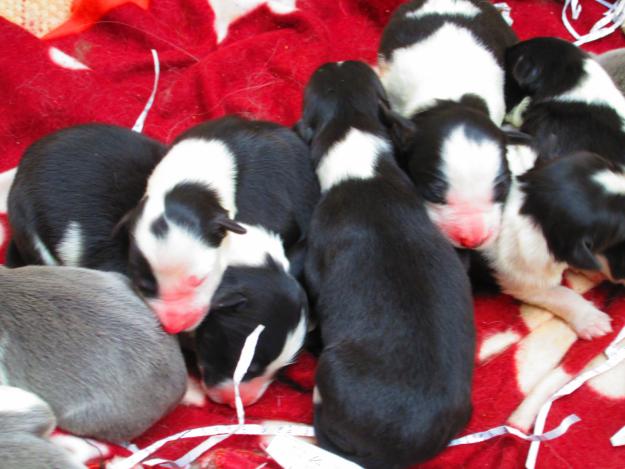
(178, 317)
(251, 391)
(471, 236)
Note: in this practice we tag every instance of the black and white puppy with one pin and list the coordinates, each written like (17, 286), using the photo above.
(442, 64)
(26, 421)
(392, 298)
(247, 297)
(566, 212)
(184, 230)
(70, 191)
(445, 50)
(574, 104)
(85, 343)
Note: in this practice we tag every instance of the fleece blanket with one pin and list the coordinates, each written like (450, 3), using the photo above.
(254, 58)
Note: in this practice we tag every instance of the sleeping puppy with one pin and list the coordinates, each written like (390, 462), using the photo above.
(392, 298)
(256, 289)
(86, 344)
(613, 61)
(70, 191)
(25, 423)
(217, 176)
(452, 50)
(566, 212)
(457, 157)
(574, 104)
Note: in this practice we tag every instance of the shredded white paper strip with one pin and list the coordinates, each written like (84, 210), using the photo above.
(612, 19)
(292, 453)
(138, 127)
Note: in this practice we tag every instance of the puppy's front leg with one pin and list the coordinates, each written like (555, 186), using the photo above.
(585, 319)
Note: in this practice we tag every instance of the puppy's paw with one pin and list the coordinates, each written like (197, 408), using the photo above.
(592, 323)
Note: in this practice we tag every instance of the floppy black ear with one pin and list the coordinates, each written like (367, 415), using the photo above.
(304, 130)
(224, 298)
(582, 257)
(400, 128)
(516, 137)
(230, 225)
(525, 71)
(124, 225)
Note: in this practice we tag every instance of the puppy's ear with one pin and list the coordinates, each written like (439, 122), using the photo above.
(516, 137)
(125, 223)
(230, 225)
(525, 72)
(616, 261)
(400, 128)
(582, 257)
(304, 130)
(225, 299)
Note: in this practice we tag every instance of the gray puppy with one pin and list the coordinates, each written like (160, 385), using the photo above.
(84, 342)
(613, 62)
(25, 422)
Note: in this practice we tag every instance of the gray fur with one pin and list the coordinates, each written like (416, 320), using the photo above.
(84, 342)
(613, 62)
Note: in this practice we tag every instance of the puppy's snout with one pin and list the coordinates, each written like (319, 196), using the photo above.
(178, 316)
(250, 391)
(471, 234)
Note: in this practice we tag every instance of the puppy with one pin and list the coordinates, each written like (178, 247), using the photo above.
(25, 423)
(574, 104)
(452, 50)
(566, 212)
(457, 157)
(613, 62)
(258, 288)
(70, 191)
(84, 342)
(257, 173)
(392, 298)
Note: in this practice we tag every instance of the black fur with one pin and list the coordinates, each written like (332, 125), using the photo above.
(578, 218)
(90, 174)
(393, 300)
(545, 68)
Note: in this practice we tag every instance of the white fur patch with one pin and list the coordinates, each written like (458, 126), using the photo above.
(457, 64)
(227, 12)
(445, 7)
(42, 250)
(354, 157)
(515, 116)
(66, 61)
(6, 180)
(611, 182)
(596, 88)
(541, 351)
(497, 343)
(316, 396)
(252, 248)
(81, 449)
(292, 345)
(521, 158)
(70, 249)
(16, 400)
(194, 396)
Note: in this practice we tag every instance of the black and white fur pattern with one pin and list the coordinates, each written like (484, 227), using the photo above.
(87, 345)
(70, 191)
(392, 298)
(257, 173)
(257, 288)
(445, 50)
(566, 212)
(26, 421)
(573, 103)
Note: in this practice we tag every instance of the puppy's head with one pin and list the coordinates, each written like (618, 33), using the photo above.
(457, 160)
(578, 201)
(348, 94)
(545, 66)
(247, 297)
(175, 252)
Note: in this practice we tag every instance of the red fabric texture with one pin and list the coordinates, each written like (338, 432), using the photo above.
(259, 70)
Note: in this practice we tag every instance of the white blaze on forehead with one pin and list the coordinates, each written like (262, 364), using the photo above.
(354, 157)
(470, 166)
(252, 248)
(70, 249)
(445, 7)
(611, 182)
(596, 87)
(448, 64)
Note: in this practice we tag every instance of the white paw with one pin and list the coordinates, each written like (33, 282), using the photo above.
(592, 323)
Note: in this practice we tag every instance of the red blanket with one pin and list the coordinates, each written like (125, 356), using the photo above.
(259, 69)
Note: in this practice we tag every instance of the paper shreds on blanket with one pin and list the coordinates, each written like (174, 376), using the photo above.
(254, 58)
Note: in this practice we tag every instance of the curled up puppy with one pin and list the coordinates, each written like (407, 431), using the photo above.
(391, 296)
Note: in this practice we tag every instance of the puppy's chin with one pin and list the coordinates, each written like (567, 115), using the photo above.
(250, 391)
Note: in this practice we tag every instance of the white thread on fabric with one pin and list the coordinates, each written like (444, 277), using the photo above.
(138, 127)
